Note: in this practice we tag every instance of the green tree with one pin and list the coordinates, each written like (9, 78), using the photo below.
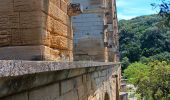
(142, 37)
(135, 72)
(125, 63)
(152, 42)
(152, 80)
(129, 44)
(165, 56)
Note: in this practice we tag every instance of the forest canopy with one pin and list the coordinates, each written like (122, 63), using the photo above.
(143, 38)
(145, 53)
(145, 56)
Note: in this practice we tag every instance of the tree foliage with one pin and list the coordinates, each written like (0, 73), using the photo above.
(143, 37)
(145, 49)
(135, 72)
(164, 10)
(152, 79)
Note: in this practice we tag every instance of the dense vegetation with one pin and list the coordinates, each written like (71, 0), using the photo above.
(152, 79)
(145, 53)
(143, 37)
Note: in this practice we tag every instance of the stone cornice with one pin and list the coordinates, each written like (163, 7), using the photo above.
(9, 68)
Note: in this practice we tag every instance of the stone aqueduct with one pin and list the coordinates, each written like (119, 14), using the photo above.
(59, 50)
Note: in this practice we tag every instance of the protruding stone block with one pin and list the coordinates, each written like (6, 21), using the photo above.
(74, 9)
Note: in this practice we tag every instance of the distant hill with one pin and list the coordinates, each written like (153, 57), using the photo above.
(143, 36)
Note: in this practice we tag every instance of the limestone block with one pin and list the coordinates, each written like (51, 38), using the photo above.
(66, 86)
(56, 12)
(64, 6)
(67, 1)
(14, 19)
(78, 81)
(74, 73)
(60, 28)
(102, 78)
(81, 91)
(20, 52)
(55, 2)
(56, 42)
(9, 20)
(58, 2)
(84, 78)
(91, 98)
(4, 22)
(46, 37)
(98, 82)
(15, 37)
(51, 54)
(6, 6)
(64, 17)
(71, 56)
(70, 32)
(70, 45)
(21, 96)
(104, 73)
(59, 14)
(56, 26)
(93, 85)
(50, 92)
(26, 37)
(31, 19)
(95, 75)
(88, 77)
(59, 42)
(29, 53)
(5, 37)
(31, 36)
(27, 5)
(50, 8)
(24, 23)
(72, 95)
(48, 23)
(88, 83)
(66, 55)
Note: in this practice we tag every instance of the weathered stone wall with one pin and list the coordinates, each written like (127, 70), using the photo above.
(59, 81)
(35, 30)
(94, 36)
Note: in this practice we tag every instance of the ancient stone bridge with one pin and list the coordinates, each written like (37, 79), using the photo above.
(59, 50)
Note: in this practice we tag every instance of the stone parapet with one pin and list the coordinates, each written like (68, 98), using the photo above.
(18, 67)
(39, 80)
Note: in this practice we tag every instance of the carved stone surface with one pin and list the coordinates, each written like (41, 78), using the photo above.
(29, 23)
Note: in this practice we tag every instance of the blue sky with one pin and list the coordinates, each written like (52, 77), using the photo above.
(128, 9)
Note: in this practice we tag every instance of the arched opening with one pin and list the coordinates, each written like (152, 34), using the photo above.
(106, 97)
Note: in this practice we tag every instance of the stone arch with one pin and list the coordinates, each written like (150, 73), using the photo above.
(106, 97)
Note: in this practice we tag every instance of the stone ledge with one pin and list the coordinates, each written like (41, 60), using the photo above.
(9, 68)
(18, 77)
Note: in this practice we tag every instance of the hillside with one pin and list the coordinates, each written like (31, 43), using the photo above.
(144, 37)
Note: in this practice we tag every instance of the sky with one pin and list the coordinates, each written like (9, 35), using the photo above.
(128, 9)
